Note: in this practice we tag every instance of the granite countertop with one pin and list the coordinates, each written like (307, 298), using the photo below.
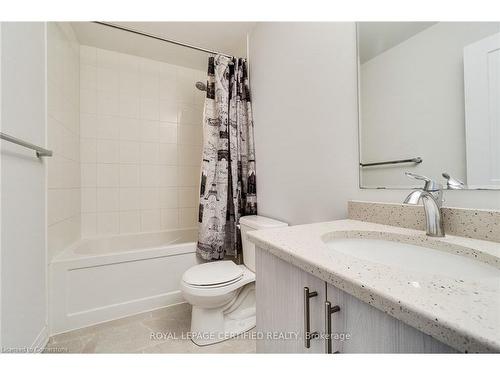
(460, 313)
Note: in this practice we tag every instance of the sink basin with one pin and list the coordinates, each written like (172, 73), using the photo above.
(416, 258)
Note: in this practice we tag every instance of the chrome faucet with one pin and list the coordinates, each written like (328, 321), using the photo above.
(432, 199)
(453, 183)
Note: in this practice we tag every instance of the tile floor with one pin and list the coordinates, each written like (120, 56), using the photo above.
(134, 335)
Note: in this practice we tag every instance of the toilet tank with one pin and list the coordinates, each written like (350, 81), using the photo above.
(254, 222)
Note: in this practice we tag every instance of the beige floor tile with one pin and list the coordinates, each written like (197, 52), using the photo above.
(133, 334)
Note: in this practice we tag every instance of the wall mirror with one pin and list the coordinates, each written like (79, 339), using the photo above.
(429, 103)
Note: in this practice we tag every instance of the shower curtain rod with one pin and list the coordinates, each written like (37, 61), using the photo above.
(130, 30)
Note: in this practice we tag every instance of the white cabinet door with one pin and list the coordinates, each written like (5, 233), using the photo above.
(373, 331)
(280, 306)
(482, 112)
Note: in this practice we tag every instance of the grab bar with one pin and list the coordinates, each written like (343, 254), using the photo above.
(416, 160)
(40, 151)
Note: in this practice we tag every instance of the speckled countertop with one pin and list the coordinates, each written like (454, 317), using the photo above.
(460, 313)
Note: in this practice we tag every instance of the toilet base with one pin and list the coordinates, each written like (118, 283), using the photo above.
(211, 326)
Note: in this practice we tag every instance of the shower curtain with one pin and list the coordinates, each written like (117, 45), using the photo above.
(228, 185)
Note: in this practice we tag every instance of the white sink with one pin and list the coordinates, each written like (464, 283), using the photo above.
(416, 258)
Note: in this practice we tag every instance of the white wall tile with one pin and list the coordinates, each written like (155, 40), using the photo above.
(169, 218)
(108, 199)
(129, 106)
(108, 80)
(189, 155)
(89, 200)
(190, 135)
(150, 131)
(130, 83)
(168, 154)
(108, 175)
(150, 153)
(130, 129)
(130, 175)
(168, 198)
(108, 127)
(168, 132)
(130, 198)
(64, 104)
(137, 165)
(108, 151)
(188, 197)
(188, 217)
(150, 109)
(108, 59)
(188, 176)
(168, 111)
(88, 77)
(150, 220)
(130, 152)
(150, 197)
(188, 115)
(89, 174)
(88, 55)
(89, 224)
(88, 150)
(150, 175)
(108, 223)
(130, 221)
(88, 101)
(108, 103)
(150, 88)
(88, 125)
(169, 176)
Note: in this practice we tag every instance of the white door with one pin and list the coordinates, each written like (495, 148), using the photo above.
(482, 112)
(23, 266)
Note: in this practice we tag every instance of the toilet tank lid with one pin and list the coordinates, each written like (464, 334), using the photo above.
(261, 222)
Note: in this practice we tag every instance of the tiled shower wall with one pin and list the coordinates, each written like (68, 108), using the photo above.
(63, 169)
(141, 136)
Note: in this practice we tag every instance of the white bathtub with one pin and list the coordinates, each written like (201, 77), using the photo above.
(102, 279)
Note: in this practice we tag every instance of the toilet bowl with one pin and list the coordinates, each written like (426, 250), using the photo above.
(222, 293)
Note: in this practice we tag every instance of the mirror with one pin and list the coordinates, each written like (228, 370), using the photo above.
(429, 103)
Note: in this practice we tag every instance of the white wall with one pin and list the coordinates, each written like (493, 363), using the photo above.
(63, 107)
(23, 215)
(303, 81)
(141, 135)
(412, 101)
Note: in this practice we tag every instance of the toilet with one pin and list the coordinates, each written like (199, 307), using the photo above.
(222, 293)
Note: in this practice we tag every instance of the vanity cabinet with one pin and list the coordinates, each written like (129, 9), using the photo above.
(356, 327)
(280, 306)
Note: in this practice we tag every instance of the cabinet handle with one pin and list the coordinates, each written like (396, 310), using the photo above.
(329, 310)
(307, 321)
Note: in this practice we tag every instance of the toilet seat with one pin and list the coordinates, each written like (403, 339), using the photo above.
(213, 274)
(246, 277)
(227, 283)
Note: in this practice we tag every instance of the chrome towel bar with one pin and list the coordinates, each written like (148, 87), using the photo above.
(416, 160)
(40, 151)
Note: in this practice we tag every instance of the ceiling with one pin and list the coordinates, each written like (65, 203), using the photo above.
(377, 37)
(226, 37)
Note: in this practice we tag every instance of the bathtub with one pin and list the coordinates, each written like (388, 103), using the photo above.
(97, 280)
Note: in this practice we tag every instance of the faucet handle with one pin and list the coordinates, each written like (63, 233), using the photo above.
(430, 185)
(452, 182)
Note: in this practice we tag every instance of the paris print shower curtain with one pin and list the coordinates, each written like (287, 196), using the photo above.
(228, 185)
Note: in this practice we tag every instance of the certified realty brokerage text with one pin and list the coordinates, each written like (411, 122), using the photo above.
(294, 335)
